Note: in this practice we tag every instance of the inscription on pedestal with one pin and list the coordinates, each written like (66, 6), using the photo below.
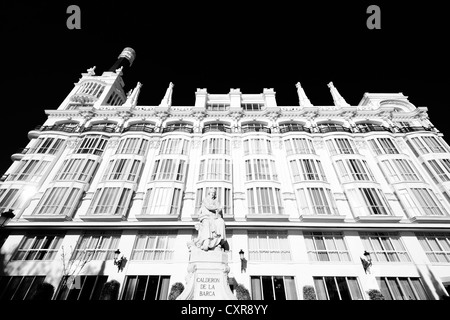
(206, 286)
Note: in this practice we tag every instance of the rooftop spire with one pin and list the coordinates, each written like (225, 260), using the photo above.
(302, 98)
(339, 101)
(167, 100)
(133, 95)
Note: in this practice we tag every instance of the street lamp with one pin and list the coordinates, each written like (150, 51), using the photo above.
(118, 262)
(243, 261)
(5, 216)
(366, 261)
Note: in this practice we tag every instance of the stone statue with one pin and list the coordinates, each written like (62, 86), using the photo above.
(211, 226)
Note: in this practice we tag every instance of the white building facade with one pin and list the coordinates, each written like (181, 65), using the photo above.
(306, 191)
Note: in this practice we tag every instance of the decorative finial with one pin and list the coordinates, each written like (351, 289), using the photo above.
(119, 71)
(132, 96)
(339, 101)
(91, 71)
(167, 100)
(302, 98)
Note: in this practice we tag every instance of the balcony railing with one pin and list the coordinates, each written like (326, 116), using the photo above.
(63, 128)
(371, 127)
(255, 129)
(215, 128)
(99, 128)
(289, 128)
(183, 129)
(414, 128)
(334, 129)
(139, 128)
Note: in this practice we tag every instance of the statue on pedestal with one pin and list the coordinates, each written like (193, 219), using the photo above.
(211, 226)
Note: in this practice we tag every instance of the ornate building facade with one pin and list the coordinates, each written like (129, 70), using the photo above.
(306, 191)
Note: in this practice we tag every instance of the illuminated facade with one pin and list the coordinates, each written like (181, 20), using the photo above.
(306, 190)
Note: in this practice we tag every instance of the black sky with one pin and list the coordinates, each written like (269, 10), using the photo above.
(222, 45)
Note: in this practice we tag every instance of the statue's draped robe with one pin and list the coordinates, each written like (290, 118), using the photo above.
(212, 226)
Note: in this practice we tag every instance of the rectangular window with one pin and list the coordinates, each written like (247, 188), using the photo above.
(299, 146)
(373, 201)
(46, 145)
(252, 106)
(96, 246)
(154, 246)
(353, 170)
(383, 146)
(122, 169)
(216, 146)
(268, 200)
(174, 146)
(92, 145)
(396, 288)
(436, 247)
(38, 247)
(434, 145)
(111, 201)
(337, 288)
(257, 146)
(427, 201)
(442, 170)
(59, 201)
(77, 170)
(10, 199)
(261, 169)
(268, 246)
(319, 200)
(217, 106)
(385, 247)
(273, 288)
(132, 146)
(19, 287)
(29, 170)
(162, 201)
(89, 288)
(146, 288)
(326, 246)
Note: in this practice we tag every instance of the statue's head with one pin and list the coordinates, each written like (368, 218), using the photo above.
(212, 192)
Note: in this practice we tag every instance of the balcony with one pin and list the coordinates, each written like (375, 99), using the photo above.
(326, 129)
(102, 128)
(372, 127)
(57, 127)
(182, 129)
(255, 129)
(216, 128)
(148, 129)
(18, 155)
(293, 128)
(414, 128)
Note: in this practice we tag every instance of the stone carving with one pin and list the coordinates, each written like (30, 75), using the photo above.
(196, 143)
(302, 98)
(91, 71)
(154, 144)
(236, 143)
(339, 101)
(211, 226)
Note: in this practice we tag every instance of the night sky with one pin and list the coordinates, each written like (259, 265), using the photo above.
(268, 44)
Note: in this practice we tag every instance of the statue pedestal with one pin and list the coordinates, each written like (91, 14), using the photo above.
(207, 276)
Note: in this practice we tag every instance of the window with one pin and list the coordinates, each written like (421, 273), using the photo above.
(326, 246)
(59, 201)
(111, 200)
(90, 288)
(77, 170)
(96, 246)
(257, 146)
(217, 106)
(259, 169)
(91, 88)
(396, 288)
(425, 145)
(38, 247)
(29, 170)
(92, 145)
(123, 169)
(383, 146)
(216, 146)
(10, 199)
(434, 145)
(18, 287)
(331, 127)
(268, 246)
(299, 146)
(307, 169)
(252, 106)
(341, 146)
(436, 247)
(337, 288)
(442, 169)
(223, 196)
(215, 169)
(174, 146)
(373, 201)
(169, 169)
(146, 288)
(385, 247)
(268, 200)
(154, 246)
(141, 126)
(46, 145)
(399, 170)
(184, 127)
(132, 146)
(273, 288)
(319, 200)
(162, 201)
(427, 201)
(353, 170)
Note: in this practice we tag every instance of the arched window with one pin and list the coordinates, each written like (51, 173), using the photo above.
(255, 127)
(141, 126)
(368, 127)
(332, 127)
(216, 126)
(292, 126)
(179, 126)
